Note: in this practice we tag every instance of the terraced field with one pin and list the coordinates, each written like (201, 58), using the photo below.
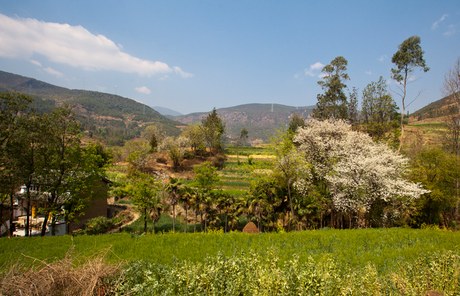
(242, 165)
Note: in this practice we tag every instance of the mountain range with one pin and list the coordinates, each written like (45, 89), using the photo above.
(115, 119)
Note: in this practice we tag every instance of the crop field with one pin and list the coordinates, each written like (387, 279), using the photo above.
(329, 262)
(241, 166)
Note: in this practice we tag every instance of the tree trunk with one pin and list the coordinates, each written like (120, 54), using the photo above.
(1, 218)
(27, 226)
(145, 220)
(11, 215)
(174, 218)
(53, 225)
(403, 109)
(186, 219)
(290, 205)
(45, 222)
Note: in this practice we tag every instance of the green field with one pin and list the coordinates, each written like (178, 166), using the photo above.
(385, 248)
(367, 261)
(241, 167)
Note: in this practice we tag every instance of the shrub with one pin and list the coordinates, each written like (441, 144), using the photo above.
(98, 225)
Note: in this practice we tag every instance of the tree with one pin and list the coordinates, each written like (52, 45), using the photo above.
(205, 179)
(243, 137)
(145, 192)
(174, 190)
(353, 113)
(333, 102)
(295, 122)
(451, 85)
(452, 88)
(25, 153)
(67, 168)
(12, 106)
(378, 109)
(357, 171)
(195, 135)
(438, 171)
(265, 201)
(213, 129)
(407, 59)
(176, 149)
(154, 135)
(289, 168)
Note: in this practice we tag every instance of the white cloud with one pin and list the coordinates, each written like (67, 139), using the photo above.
(53, 72)
(368, 72)
(182, 73)
(36, 63)
(436, 24)
(48, 70)
(314, 69)
(143, 90)
(73, 46)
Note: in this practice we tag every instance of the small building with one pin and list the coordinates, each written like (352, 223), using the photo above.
(97, 206)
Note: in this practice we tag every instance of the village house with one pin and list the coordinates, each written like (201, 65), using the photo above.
(96, 207)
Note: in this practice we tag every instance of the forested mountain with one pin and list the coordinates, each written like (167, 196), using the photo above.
(260, 120)
(109, 117)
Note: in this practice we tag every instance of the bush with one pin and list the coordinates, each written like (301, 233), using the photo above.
(98, 225)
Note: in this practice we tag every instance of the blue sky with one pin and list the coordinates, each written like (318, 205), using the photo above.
(195, 55)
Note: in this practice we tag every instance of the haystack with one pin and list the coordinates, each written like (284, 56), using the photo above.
(251, 228)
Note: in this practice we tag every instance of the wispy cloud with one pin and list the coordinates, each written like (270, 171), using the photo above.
(383, 58)
(53, 72)
(314, 69)
(182, 73)
(73, 46)
(143, 90)
(368, 72)
(436, 24)
(451, 30)
(48, 70)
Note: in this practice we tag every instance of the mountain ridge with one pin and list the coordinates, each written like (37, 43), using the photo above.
(110, 117)
(259, 119)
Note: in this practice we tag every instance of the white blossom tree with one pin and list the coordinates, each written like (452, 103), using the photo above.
(357, 170)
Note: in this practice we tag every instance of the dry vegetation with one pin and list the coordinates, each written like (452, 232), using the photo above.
(60, 278)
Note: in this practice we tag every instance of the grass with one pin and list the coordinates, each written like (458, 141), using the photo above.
(385, 248)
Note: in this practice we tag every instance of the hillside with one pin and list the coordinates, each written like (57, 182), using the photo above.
(109, 117)
(261, 120)
(437, 110)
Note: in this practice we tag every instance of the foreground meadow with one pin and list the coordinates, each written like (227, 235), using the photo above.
(328, 262)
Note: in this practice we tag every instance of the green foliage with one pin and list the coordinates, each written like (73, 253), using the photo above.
(98, 225)
(439, 172)
(333, 102)
(206, 176)
(213, 129)
(408, 58)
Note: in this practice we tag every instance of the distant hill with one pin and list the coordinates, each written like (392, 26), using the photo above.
(438, 110)
(109, 117)
(261, 120)
(166, 111)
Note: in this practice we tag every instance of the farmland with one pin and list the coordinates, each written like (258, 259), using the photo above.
(335, 259)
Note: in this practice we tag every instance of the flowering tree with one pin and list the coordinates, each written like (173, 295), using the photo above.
(357, 171)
